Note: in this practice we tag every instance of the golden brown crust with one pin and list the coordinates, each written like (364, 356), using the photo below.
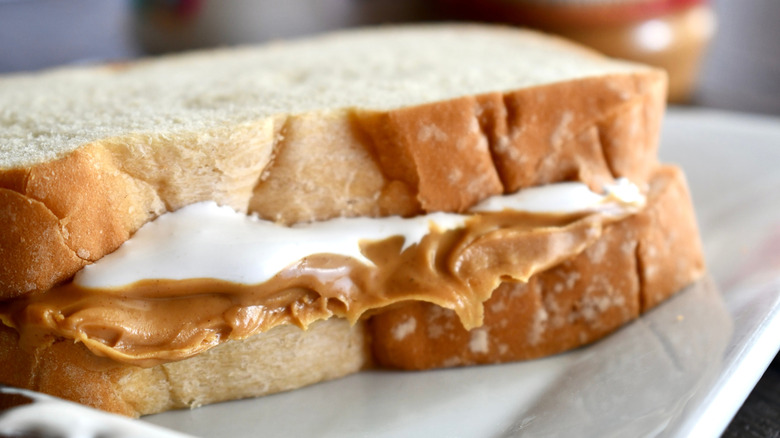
(669, 253)
(63, 369)
(34, 252)
(437, 149)
(549, 131)
(575, 303)
(64, 214)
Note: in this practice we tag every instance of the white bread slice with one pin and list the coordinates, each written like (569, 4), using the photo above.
(372, 122)
(49, 114)
(616, 279)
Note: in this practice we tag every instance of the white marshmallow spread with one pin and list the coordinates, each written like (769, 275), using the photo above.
(205, 240)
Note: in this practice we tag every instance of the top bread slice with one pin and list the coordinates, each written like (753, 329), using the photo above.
(397, 120)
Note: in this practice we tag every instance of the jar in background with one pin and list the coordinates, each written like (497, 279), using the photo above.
(671, 34)
(174, 25)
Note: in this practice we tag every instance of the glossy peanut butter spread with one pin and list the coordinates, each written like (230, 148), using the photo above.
(156, 321)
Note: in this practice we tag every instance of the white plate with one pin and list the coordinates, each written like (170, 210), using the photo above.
(681, 370)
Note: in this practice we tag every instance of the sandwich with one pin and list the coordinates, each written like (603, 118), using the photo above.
(231, 223)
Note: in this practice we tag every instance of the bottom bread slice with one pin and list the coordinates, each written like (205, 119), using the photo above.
(283, 358)
(636, 264)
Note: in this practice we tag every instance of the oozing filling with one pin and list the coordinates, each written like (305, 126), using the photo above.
(205, 274)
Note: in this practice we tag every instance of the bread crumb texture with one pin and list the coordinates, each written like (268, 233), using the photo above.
(44, 115)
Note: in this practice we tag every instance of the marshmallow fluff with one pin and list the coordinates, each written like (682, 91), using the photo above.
(205, 240)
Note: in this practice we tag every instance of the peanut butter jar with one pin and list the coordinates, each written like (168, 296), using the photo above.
(671, 34)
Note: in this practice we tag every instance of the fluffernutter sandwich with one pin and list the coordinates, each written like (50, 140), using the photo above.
(231, 223)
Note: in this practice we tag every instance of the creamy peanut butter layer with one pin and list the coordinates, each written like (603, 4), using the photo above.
(195, 278)
(155, 321)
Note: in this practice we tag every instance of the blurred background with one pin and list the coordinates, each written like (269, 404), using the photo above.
(719, 53)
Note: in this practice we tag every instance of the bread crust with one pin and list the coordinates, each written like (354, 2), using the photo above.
(622, 275)
(591, 130)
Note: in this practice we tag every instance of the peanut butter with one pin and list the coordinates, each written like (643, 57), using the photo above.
(156, 321)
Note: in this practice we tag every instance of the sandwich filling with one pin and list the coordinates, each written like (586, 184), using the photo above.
(206, 274)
